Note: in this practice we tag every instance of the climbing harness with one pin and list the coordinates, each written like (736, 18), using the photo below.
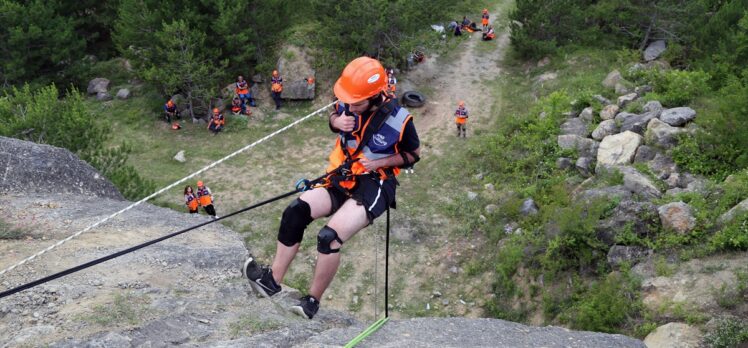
(263, 139)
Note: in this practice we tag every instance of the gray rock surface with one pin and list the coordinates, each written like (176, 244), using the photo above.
(606, 193)
(609, 112)
(179, 157)
(618, 254)
(674, 335)
(585, 166)
(662, 134)
(678, 116)
(654, 107)
(619, 148)
(29, 167)
(733, 212)
(295, 66)
(662, 166)
(641, 217)
(462, 332)
(645, 154)
(564, 163)
(584, 147)
(654, 50)
(604, 129)
(123, 93)
(529, 207)
(622, 87)
(98, 85)
(635, 123)
(639, 183)
(612, 79)
(626, 99)
(587, 114)
(602, 100)
(677, 216)
(103, 96)
(575, 126)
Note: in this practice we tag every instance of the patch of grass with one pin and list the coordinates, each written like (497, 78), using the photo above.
(126, 308)
(10, 231)
(728, 333)
(251, 324)
(663, 268)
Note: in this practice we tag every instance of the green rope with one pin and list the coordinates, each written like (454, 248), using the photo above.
(370, 330)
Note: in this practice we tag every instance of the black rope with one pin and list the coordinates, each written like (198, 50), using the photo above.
(387, 267)
(307, 185)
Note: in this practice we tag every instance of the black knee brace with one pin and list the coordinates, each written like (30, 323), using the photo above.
(296, 217)
(325, 237)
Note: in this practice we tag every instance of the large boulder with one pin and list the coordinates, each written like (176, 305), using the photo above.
(619, 148)
(678, 116)
(674, 335)
(98, 85)
(295, 67)
(654, 50)
(612, 79)
(36, 168)
(662, 134)
(604, 129)
(575, 126)
(677, 216)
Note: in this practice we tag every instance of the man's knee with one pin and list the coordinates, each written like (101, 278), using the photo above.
(296, 218)
(325, 238)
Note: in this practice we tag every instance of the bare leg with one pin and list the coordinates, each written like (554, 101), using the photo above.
(348, 220)
(320, 205)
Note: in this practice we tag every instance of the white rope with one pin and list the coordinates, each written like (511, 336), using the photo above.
(61, 242)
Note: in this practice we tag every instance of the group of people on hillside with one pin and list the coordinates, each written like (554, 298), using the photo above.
(240, 103)
(200, 198)
(470, 26)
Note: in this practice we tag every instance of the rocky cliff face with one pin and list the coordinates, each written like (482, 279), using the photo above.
(185, 291)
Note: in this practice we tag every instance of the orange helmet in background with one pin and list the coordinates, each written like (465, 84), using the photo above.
(275, 73)
(200, 183)
(361, 79)
(170, 103)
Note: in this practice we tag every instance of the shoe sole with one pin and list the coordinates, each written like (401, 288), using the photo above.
(257, 287)
(300, 312)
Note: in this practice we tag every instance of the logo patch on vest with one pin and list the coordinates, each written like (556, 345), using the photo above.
(379, 140)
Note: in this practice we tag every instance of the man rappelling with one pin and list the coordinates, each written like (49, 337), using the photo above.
(376, 137)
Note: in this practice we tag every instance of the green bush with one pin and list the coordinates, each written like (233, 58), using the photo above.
(733, 236)
(675, 88)
(606, 305)
(728, 334)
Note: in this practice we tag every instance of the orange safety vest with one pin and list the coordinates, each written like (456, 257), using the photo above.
(383, 143)
(484, 19)
(461, 115)
(242, 87)
(276, 84)
(203, 195)
(191, 201)
(218, 120)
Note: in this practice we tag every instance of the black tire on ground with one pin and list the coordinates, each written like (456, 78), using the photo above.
(413, 99)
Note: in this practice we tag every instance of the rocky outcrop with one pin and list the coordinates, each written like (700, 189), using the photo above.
(674, 335)
(654, 50)
(295, 67)
(35, 168)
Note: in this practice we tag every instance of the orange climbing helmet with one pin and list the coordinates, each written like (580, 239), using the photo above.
(361, 79)
(200, 183)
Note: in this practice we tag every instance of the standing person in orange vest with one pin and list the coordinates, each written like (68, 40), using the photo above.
(461, 116)
(375, 138)
(216, 121)
(391, 83)
(190, 200)
(484, 19)
(276, 88)
(170, 110)
(205, 198)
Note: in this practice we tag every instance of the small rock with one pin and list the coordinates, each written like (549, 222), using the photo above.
(662, 166)
(627, 99)
(677, 216)
(436, 293)
(575, 126)
(604, 129)
(103, 96)
(585, 166)
(445, 302)
(678, 116)
(179, 157)
(618, 254)
(644, 154)
(601, 99)
(653, 106)
(478, 176)
(529, 207)
(543, 62)
(355, 299)
(621, 88)
(98, 85)
(661, 134)
(489, 187)
(123, 93)
(733, 212)
(454, 270)
(654, 50)
(609, 112)
(612, 79)
(472, 195)
(619, 148)
(642, 90)
(491, 208)
(639, 183)
(564, 163)
(587, 114)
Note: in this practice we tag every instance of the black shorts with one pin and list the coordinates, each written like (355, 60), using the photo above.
(370, 191)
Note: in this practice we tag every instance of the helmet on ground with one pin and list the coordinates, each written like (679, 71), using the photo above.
(215, 110)
(175, 126)
(462, 103)
(275, 73)
(361, 79)
(200, 183)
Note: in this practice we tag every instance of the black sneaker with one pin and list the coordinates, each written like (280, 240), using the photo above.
(307, 308)
(260, 278)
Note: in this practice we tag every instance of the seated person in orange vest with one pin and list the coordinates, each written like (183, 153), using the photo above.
(205, 198)
(190, 200)
(489, 35)
(276, 88)
(461, 116)
(484, 19)
(237, 107)
(242, 90)
(374, 138)
(468, 25)
(170, 110)
(216, 121)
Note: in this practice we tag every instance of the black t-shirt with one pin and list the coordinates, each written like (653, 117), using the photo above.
(410, 141)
